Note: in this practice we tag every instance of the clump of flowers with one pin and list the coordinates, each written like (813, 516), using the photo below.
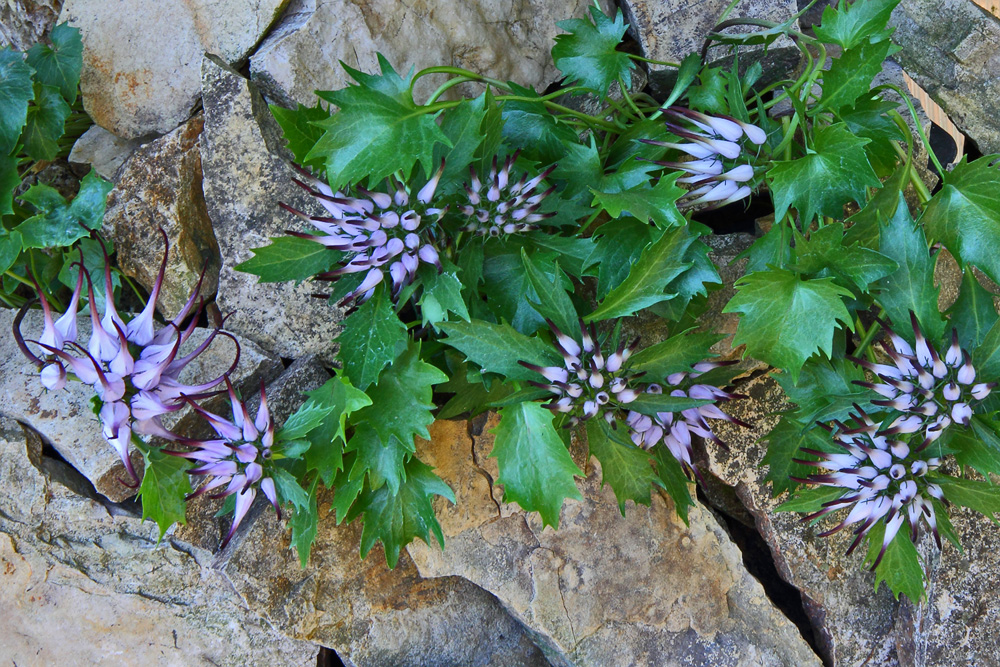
(237, 459)
(502, 206)
(377, 231)
(132, 367)
(590, 385)
(933, 389)
(719, 169)
(883, 480)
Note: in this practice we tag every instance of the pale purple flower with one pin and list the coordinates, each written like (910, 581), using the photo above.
(237, 462)
(883, 480)
(502, 206)
(378, 232)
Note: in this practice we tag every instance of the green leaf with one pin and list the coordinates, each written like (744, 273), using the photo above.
(686, 74)
(15, 93)
(396, 519)
(854, 23)
(882, 206)
(381, 462)
(825, 390)
(9, 180)
(59, 65)
(289, 489)
(824, 250)
(506, 282)
(289, 258)
(810, 499)
(677, 353)
(645, 202)
(835, 172)
(496, 348)
(850, 76)
(660, 262)
(325, 453)
(44, 124)
(442, 294)
(973, 314)
(673, 480)
(911, 286)
(369, 339)
(785, 320)
(693, 282)
(900, 567)
(463, 127)
(770, 249)
(651, 404)
(536, 469)
(301, 130)
(619, 245)
(59, 224)
(980, 496)
(10, 250)
(783, 444)
(164, 486)
(528, 125)
(305, 524)
(710, 93)
(986, 358)
(625, 467)
(94, 260)
(965, 214)
(553, 302)
(574, 252)
(589, 54)
(583, 169)
(869, 118)
(363, 139)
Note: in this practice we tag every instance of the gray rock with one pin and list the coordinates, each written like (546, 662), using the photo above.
(505, 39)
(668, 30)
(603, 589)
(103, 151)
(160, 188)
(65, 419)
(142, 60)
(952, 50)
(88, 584)
(24, 22)
(245, 178)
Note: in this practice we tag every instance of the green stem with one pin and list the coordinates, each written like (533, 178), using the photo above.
(23, 281)
(450, 83)
(628, 98)
(916, 121)
(921, 188)
(457, 71)
(135, 289)
(651, 61)
(869, 336)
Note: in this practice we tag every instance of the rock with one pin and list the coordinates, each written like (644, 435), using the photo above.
(141, 60)
(505, 39)
(670, 29)
(952, 50)
(65, 419)
(103, 151)
(245, 178)
(852, 623)
(603, 589)
(160, 188)
(84, 583)
(24, 22)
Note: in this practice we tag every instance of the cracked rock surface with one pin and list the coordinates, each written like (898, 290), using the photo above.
(603, 589)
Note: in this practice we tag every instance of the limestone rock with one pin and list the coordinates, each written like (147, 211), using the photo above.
(670, 29)
(505, 39)
(160, 188)
(103, 151)
(84, 583)
(952, 50)
(852, 623)
(141, 60)
(24, 22)
(603, 589)
(245, 178)
(65, 419)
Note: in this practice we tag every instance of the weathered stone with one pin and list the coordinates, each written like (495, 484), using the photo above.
(505, 39)
(141, 60)
(852, 623)
(603, 589)
(103, 151)
(84, 583)
(24, 22)
(160, 188)
(668, 30)
(65, 418)
(245, 178)
(952, 50)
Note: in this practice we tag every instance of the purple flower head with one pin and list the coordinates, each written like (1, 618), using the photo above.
(883, 480)
(933, 389)
(377, 231)
(499, 205)
(132, 367)
(237, 461)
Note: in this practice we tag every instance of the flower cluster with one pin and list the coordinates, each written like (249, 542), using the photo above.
(719, 170)
(133, 368)
(502, 206)
(590, 385)
(377, 231)
(237, 458)
(933, 389)
(882, 479)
